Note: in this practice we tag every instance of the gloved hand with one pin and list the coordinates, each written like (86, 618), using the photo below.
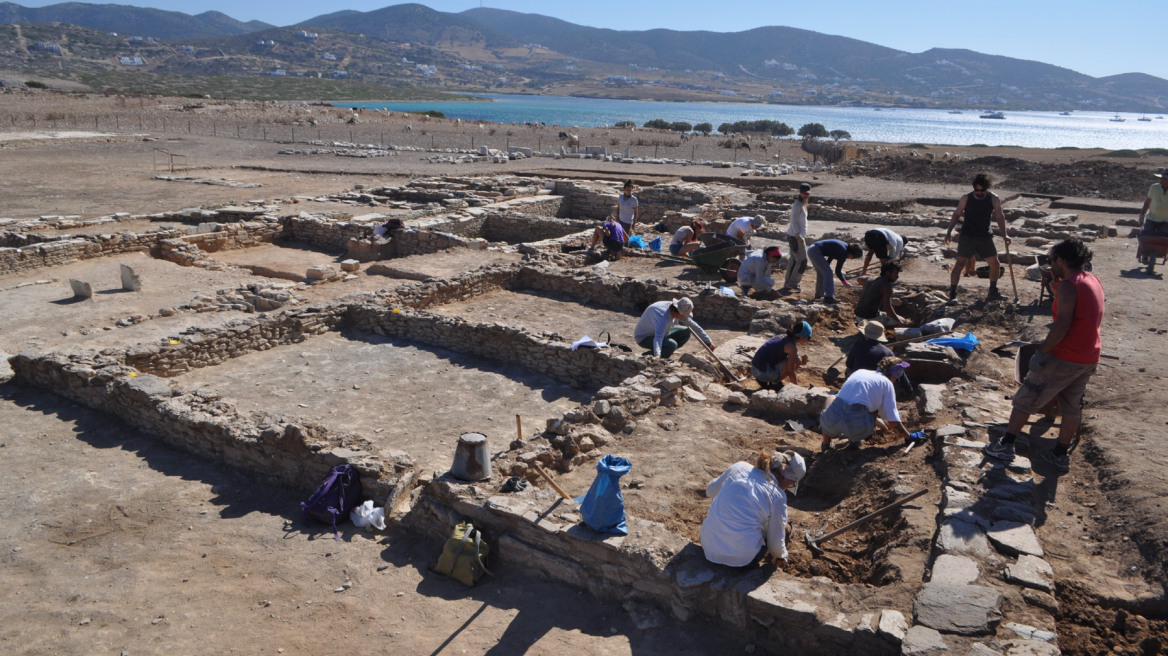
(919, 435)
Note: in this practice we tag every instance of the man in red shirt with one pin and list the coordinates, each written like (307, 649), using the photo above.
(1065, 360)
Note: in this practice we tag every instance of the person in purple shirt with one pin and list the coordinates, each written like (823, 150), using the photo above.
(821, 254)
(613, 234)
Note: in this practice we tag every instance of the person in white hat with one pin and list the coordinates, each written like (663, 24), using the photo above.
(869, 350)
(743, 227)
(863, 396)
(747, 520)
(658, 328)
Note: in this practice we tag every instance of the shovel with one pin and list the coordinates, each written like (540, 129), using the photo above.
(816, 550)
(719, 361)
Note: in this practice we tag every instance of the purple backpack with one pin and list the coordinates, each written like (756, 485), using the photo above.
(335, 498)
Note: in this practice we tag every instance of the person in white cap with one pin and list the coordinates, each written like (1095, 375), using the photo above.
(743, 227)
(658, 328)
(869, 350)
(747, 520)
(863, 396)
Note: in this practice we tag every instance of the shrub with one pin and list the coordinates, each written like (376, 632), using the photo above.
(1155, 152)
(839, 134)
(431, 113)
(1125, 153)
(657, 124)
(704, 128)
(1067, 148)
(916, 146)
(624, 125)
(33, 84)
(813, 130)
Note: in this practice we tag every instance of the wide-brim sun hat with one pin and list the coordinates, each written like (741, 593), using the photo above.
(684, 306)
(873, 330)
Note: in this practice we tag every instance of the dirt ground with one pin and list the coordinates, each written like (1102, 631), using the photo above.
(171, 554)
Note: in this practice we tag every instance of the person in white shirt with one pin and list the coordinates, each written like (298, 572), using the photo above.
(755, 271)
(685, 239)
(885, 244)
(658, 328)
(743, 227)
(628, 209)
(797, 240)
(864, 395)
(747, 520)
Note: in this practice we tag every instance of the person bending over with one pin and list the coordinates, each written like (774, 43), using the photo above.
(779, 358)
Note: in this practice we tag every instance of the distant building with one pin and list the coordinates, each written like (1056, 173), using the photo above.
(308, 36)
(51, 48)
(131, 61)
(328, 56)
(340, 74)
(279, 72)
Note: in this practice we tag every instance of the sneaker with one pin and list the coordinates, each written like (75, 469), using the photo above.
(953, 294)
(830, 300)
(994, 295)
(1061, 463)
(1000, 451)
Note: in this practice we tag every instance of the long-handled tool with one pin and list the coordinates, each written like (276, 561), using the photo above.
(555, 486)
(729, 373)
(813, 545)
(913, 440)
(1010, 266)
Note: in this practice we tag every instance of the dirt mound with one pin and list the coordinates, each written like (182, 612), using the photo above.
(1086, 179)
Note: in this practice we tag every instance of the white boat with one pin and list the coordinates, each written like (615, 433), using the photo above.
(1144, 118)
(992, 115)
(955, 111)
(1117, 119)
(1064, 113)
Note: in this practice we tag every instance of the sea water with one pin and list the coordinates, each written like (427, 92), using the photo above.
(1031, 129)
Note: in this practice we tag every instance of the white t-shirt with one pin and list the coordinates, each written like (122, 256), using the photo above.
(626, 208)
(895, 242)
(683, 233)
(741, 224)
(873, 390)
(748, 511)
(798, 227)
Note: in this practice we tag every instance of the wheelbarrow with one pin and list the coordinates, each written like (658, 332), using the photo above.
(1152, 247)
(718, 254)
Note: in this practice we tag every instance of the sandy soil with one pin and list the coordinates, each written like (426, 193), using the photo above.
(128, 516)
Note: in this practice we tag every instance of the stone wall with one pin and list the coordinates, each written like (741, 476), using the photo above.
(651, 568)
(514, 228)
(298, 455)
(56, 253)
(323, 233)
(587, 200)
(205, 347)
(582, 367)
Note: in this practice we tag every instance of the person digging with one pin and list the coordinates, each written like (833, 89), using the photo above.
(658, 329)
(779, 358)
(864, 396)
(875, 300)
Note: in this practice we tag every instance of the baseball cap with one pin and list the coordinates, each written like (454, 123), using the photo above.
(757, 221)
(684, 306)
(805, 188)
(791, 466)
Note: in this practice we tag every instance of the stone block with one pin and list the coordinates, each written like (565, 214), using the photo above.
(923, 641)
(929, 398)
(350, 265)
(130, 280)
(792, 401)
(892, 626)
(954, 569)
(961, 609)
(962, 537)
(81, 290)
(1014, 538)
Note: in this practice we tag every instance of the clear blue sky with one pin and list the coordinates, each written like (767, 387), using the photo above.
(1096, 38)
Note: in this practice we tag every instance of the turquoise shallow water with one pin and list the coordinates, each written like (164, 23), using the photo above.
(931, 126)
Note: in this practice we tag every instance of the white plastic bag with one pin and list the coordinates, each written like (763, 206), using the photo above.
(368, 517)
(938, 326)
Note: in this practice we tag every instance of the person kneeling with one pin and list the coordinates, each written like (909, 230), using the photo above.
(748, 517)
(613, 236)
(779, 358)
(864, 395)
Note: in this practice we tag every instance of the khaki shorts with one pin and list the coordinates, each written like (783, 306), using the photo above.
(983, 246)
(1055, 379)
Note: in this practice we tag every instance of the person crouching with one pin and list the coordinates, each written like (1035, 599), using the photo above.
(755, 270)
(864, 396)
(747, 520)
(779, 358)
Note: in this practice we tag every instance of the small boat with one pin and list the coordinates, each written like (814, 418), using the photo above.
(1144, 118)
(1160, 117)
(1064, 113)
(955, 111)
(1117, 119)
(992, 115)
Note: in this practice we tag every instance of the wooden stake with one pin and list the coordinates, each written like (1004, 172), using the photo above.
(551, 482)
(519, 427)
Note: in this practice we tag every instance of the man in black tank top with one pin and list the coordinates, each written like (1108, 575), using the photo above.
(978, 208)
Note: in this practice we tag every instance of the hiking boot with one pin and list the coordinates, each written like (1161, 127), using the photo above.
(994, 294)
(1000, 451)
(1061, 463)
(830, 300)
(953, 293)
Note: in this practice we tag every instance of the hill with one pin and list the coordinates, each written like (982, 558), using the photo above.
(124, 19)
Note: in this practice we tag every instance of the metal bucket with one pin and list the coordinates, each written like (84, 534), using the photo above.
(471, 460)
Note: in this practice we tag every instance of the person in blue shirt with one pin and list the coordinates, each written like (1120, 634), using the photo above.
(821, 254)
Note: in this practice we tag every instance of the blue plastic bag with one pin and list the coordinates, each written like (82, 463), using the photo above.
(655, 245)
(966, 343)
(603, 507)
(636, 242)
